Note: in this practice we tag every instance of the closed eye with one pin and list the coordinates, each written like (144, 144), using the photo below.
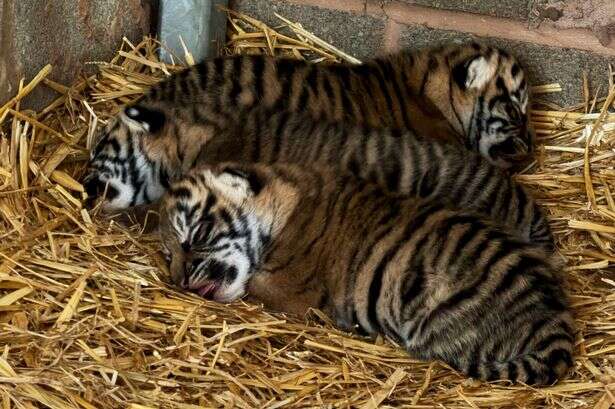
(201, 247)
(202, 232)
(166, 253)
(514, 114)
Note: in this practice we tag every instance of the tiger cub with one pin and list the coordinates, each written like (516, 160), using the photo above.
(472, 95)
(446, 284)
(396, 160)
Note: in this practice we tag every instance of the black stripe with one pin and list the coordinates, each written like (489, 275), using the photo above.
(521, 203)
(477, 119)
(385, 220)
(536, 326)
(512, 371)
(414, 268)
(383, 88)
(308, 86)
(452, 102)
(202, 70)
(280, 128)
(552, 338)
(416, 168)
(238, 67)
(376, 285)
(328, 88)
(492, 373)
(216, 270)
(520, 269)
(216, 82)
(285, 68)
(218, 73)
(540, 231)
(163, 177)
(445, 226)
(209, 203)
(228, 219)
(470, 291)
(558, 355)
(392, 169)
(432, 65)
(359, 258)
(336, 135)
(181, 192)
(258, 68)
(551, 294)
(181, 84)
(320, 131)
(257, 134)
(530, 373)
(474, 359)
(323, 299)
(344, 73)
(192, 212)
(115, 146)
(502, 204)
(476, 195)
(460, 251)
(429, 178)
(400, 90)
(466, 171)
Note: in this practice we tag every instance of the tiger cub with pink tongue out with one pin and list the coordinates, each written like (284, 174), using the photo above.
(446, 284)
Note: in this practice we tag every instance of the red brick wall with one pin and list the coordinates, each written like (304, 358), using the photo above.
(365, 28)
(66, 34)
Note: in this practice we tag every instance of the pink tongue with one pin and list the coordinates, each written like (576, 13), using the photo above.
(206, 289)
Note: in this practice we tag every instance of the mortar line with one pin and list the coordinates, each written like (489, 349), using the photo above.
(351, 6)
(392, 34)
(474, 24)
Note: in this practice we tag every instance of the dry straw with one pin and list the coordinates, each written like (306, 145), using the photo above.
(87, 320)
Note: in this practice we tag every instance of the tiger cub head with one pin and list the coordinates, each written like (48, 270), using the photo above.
(215, 224)
(120, 167)
(136, 155)
(489, 99)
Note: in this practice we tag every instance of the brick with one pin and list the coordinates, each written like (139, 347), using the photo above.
(544, 64)
(66, 34)
(516, 9)
(355, 33)
(488, 26)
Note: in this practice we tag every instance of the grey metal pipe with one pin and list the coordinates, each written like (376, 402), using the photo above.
(199, 23)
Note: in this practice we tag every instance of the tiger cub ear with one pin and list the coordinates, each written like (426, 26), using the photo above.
(474, 74)
(239, 181)
(141, 118)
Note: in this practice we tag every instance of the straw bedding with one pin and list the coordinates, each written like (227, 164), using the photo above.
(87, 319)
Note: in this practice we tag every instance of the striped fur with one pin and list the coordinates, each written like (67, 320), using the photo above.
(444, 283)
(471, 95)
(396, 160)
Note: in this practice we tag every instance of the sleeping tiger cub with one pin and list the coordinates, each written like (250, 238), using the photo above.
(473, 95)
(396, 160)
(446, 284)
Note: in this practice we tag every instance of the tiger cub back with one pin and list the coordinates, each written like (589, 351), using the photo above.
(470, 94)
(444, 283)
(398, 161)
